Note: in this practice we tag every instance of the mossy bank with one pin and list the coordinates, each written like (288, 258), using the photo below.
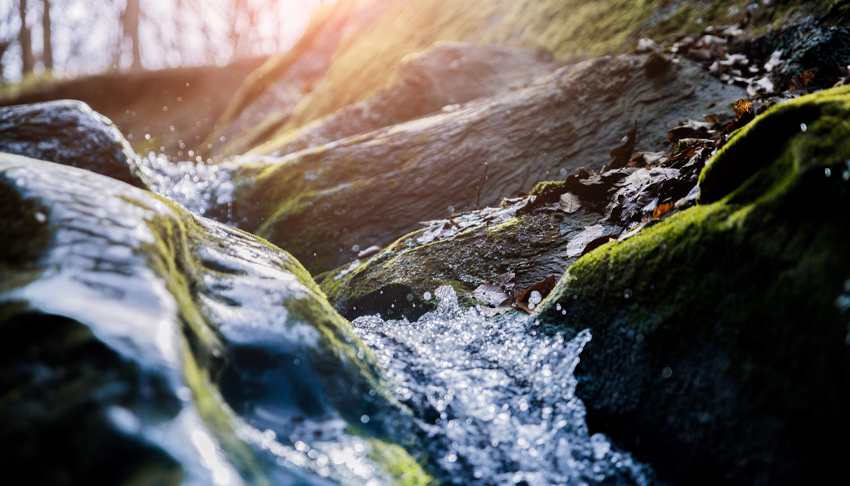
(720, 336)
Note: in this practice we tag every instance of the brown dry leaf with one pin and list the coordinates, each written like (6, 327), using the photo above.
(712, 118)
(544, 288)
(570, 203)
(662, 209)
(494, 292)
(744, 113)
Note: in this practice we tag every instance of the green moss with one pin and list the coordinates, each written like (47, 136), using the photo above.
(543, 186)
(737, 296)
(396, 463)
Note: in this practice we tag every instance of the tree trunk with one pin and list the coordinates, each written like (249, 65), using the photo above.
(47, 55)
(25, 37)
(130, 24)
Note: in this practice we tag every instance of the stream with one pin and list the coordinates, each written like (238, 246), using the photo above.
(493, 397)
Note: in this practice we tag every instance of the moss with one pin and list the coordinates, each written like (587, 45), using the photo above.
(543, 186)
(396, 463)
(737, 297)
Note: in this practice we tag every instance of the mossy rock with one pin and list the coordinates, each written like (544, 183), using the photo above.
(143, 344)
(369, 189)
(720, 336)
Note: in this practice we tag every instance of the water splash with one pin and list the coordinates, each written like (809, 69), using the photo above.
(495, 398)
(203, 189)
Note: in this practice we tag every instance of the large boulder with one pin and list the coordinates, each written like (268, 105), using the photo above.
(144, 345)
(369, 189)
(720, 336)
(68, 132)
(447, 73)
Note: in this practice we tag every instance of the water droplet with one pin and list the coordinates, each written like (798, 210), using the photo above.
(667, 372)
(410, 297)
(364, 419)
(427, 295)
(803, 127)
(355, 248)
(558, 307)
(451, 458)
(563, 172)
(627, 293)
(827, 172)
(564, 312)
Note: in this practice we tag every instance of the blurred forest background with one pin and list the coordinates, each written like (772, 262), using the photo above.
(71, 37)
(162, 70)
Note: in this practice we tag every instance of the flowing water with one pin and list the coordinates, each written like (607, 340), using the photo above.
(493, 397)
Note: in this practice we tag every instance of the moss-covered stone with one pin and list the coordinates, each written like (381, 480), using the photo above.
(720, 345)
(157, 346)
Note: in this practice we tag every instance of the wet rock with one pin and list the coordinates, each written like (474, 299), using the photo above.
(319, 203)
(443, 76)
(69, 133)
(142, 342)
(394, 283)
(720, 336)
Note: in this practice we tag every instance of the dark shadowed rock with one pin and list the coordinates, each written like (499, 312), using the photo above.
(369, 189)
(448, 73)
(720, 336)
(69, 133)
(143, 344)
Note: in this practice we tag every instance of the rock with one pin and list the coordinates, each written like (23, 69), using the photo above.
(366, 190)
(719, 348)
(447, 73)
(480, 246)
(69, 133)
(655, 64)
(144, 344)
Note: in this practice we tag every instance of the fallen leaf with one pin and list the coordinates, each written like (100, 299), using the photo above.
(594, 244)
(544, 288)
(662, 209)
(744, 113)
(494, 292)
(577, 245)
(570, 203)
(497, 311)
(623, 153)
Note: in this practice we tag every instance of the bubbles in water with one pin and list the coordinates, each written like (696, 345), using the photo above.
(535, 297)
(667, 373)
(426, 296)
(496, 401)
(41, 218)
(451, 209)
(627, 293)
(364, 419)
(803, 127)
(355, 248)
(410, 297)
(827, 172)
